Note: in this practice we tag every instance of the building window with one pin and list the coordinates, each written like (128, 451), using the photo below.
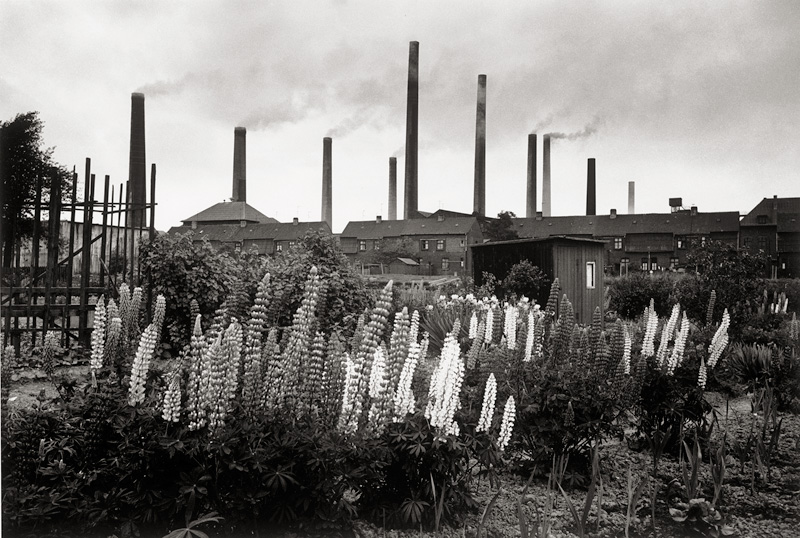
(617, 243)
(424, 244)
(681, 240)
(645, 264)
(653, 264)
(291, 244)
(362, 245)
(761, 219)
(278, 246)
(747, 243)
(440, 244)
(703, 241)
(624, 266)
(762, 244)
(461, 263)
(590, 275)
(445, 264)
(673, 263)
(376, 245)
(462, 243)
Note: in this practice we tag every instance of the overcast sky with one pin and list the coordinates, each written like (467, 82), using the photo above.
(693, 99)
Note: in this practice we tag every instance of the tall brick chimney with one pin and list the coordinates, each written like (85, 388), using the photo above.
(479, 198)
(137, 170)
(631, 197)
(239, 164)
(591, 188)
(392, 188)
(546, 176)
(412, 125)
(327, 181)
(530, 195)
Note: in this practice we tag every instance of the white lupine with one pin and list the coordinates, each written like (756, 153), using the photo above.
(510, 327)
(141, 365)
(529, 341)
(719, 341)
(376, 374)
(413, 330)
(350, 380)
(626, 353)
(701, 375)
(98, 335)
(404, 397)
(473, 325)
(423, 346)
(507, 426)
(171, 405)
(648, 350)
(445, 388)
(680, 343)
(487, 409)
(489, 324)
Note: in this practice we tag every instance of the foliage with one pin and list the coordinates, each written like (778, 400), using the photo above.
(501, 228)
(629, 295)
(525, 279)
(24, 160)
(388, 250)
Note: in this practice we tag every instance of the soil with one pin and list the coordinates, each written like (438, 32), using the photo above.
(770, 509)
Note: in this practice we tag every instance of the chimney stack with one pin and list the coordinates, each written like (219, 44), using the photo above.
(546, 176)
(327, 181)
(479, 198)
(392, 188)
(239, 164)
(631, 197)
(137, 170)
(412, 124)
(591, 202)
(530, 198)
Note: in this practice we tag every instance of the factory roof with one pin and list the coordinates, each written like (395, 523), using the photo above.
(771, 207)
(230, 212)
(378, 229)
(288, 231)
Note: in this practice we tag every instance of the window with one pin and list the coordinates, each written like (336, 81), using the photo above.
(424, 244)
(624, 266)
(362, 245)
(703, 241)
(645, 264)
(291, 244)
(462, 243)
(440, 244)
(590, 275)
(278, 246)
(762, 244)
(681, 240)
(761, 219)
(617, 243)
(747, 242)
(653, 264)
(673, 263)
(462, 263)
(445, 264)
(376, 245)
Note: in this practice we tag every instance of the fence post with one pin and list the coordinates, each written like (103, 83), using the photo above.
(53, 237)
(86, 255)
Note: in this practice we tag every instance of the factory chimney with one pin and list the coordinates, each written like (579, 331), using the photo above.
(591, 202)
(392, 188)
(327, 181)
(546, 176)
(479, 198)
(137, 170)
(530, 198)
(631, 199)
(412, 124)
(239, 165)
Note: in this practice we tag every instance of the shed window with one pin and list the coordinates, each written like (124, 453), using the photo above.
(590, 275)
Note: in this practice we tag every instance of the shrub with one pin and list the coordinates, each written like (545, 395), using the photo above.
(525, 279)
(629, 295)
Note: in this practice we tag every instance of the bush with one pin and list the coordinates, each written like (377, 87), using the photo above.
(629, 295)
(525, 279)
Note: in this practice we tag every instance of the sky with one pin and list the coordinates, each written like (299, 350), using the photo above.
(697, 99)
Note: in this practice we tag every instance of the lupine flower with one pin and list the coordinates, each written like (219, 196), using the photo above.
(232, 350)
(171, 406)
(475, 347)
(159, 312)
(701, 375)
(348, 425)
(510, 327)
(48, 352)
(445, 387)
(404, 397)
(719, 341)
(398, 348)
(113, 337)
(626, 353)
(487, 409)
(197, 372)
(213, 397)
(507, 426)
(489, 326)
(530, 336)
(98, 335)
(680, 343)
(648, 349)
(473, 325)
(141, 365)
(378, 391)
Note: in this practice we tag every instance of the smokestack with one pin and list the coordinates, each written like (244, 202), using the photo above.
(530, 198)
(412, 125)
(239, 164)
(327, 181)
(392, 188)
(591, 201)
(546, 176)
(137, 171)
(479, 199)
(631, 198)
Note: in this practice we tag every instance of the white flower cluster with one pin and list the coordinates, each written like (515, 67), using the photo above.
(701, 375)
(487, 409)
(626, 353)
(473, 325)
(489, 324)
(141, 365)
(648, 350)
(507, 426)
(98, 335)
(445, 388)
(720, 340)
(530, 337)
(172, 400)
(404, 397)
(510, 327)
(680, 344)
(376, 374)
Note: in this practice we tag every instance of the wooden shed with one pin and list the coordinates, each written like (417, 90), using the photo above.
(577, 263)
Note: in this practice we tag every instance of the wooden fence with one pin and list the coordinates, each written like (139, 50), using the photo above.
(90, 247)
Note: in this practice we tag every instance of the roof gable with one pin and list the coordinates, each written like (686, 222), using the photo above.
(229, 212)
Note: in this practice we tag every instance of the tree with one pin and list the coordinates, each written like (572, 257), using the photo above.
(502, 229)
(526, 279)
(24, 159)
(390, 249)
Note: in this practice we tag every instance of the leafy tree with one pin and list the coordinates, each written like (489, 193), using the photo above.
(526, 279)
(390, 249)
(502, 228)
(24, 159)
